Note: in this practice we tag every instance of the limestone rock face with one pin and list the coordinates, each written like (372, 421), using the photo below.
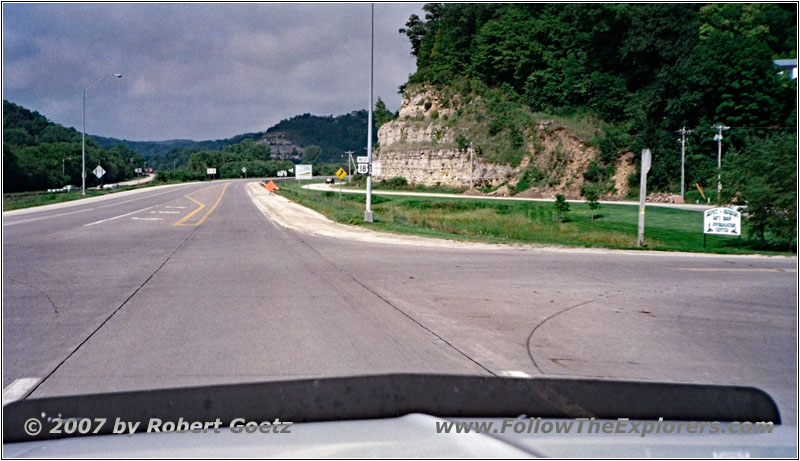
(280, 146)
(422, 147)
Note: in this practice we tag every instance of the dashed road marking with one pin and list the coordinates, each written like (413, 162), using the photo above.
(116, 217)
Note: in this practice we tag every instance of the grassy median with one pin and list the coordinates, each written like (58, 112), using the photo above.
(613, 226)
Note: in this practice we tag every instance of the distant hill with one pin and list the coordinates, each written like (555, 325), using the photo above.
(155, 148)
(288, 139)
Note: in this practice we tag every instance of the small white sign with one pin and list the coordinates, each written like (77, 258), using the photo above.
(99, 172)
(211, 171)
(282, 173)
(302, 171)
(376, 168)
(137, 170)
(646, 160)
(362, 159)
(362, 168)
(722, 221)
(244, 169)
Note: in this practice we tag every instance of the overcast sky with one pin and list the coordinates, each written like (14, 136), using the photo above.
(200, 71)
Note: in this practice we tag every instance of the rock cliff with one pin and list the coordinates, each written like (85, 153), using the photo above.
(427, 144)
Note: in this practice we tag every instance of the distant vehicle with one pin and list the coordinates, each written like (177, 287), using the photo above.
(68, 188)
(329, 181)
(110, 186)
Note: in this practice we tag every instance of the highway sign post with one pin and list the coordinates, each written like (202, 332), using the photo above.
(376, 168)
(340, 173)
(244, 170)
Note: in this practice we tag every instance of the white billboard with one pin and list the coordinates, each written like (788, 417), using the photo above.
(302, 171)
(722, 221)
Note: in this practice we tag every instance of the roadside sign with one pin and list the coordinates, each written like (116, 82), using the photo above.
(722, 221)
(244, 170)
(363, 168)
(281, 173)
(302, 171)
(646, 160)
(270, 186)
(211, 171)
(376, 168)
(362, 159)
(99, 172)
(340, 173)
(137, 170)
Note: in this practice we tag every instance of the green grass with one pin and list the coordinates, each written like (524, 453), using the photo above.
(17, 200)
(614, 226)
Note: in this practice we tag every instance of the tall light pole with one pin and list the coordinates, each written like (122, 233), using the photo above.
(83, 136)
(718, 137)
(683, 132)
(368, 212)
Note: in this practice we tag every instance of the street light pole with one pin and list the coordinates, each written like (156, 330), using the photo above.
(368, 212)
(83, 135)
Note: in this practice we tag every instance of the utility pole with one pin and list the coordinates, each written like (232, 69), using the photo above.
(718, 137)
(368, 211)
(683, 132)
(471, 166)
(349, 160)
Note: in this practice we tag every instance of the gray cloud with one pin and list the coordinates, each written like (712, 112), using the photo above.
(200, 71)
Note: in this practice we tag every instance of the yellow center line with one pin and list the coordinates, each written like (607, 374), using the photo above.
(202, 205)
(215, 205)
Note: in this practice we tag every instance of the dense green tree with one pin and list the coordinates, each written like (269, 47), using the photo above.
(382, 114)
(763, 175)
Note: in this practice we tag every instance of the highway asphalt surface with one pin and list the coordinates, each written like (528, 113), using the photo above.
(192, 284)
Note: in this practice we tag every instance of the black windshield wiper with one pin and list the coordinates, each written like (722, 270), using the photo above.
(385, 396)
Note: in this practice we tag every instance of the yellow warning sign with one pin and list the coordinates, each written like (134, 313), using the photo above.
(340, 173)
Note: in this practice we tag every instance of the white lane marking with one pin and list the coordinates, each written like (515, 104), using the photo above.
(165, 212)
(18, 389)
(45, 217)
(515, 374)
(147, 219)
(88, 209)
(181, 207)
(117, 217)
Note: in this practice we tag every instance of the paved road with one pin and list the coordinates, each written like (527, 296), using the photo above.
(194, 285)
(350, 190)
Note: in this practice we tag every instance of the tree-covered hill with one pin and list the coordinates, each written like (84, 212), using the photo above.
(648, 69)
(39, 154)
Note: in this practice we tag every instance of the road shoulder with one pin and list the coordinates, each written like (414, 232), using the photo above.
(291, 215)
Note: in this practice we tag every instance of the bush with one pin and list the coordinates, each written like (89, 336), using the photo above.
(560, 207)
(397, 181)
